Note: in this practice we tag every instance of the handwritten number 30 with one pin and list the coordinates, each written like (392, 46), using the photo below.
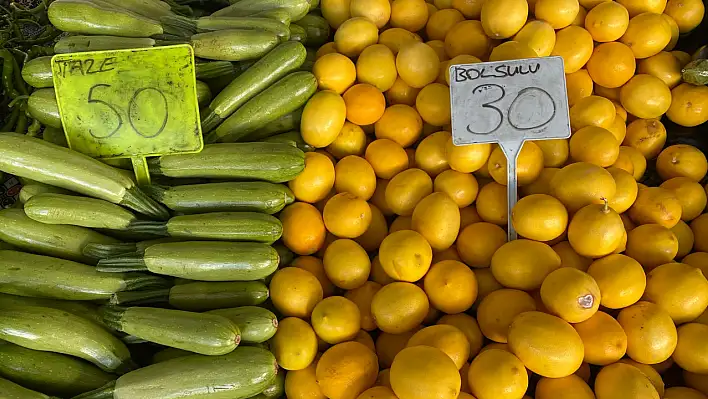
(496, 93)
(131, 111)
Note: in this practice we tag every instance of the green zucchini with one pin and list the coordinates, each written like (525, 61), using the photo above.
(97, 17)
(125, 248)
(48, 372)
(47, 163)
(286, 255)
(222, 226)
(210, 24)
(169, 354)
(298, 33)
(55, 136)
(30, 190)
(275, 390)
(199, 296)
(281, 15)
(84, 309)
(59, 209)
(66, 242)
(262, 197)
(317, 29)
(243, 373)
(201, 333)
(42, 106)
(6, 246)
(295, 8)
(78, 44)
(293, 138)
(272, 162)
(280, 61)
(44, 277)
(10, 390)
(52, 330)
(38, 72)
(284, 124)
(147, 8)
(284, 96)
(233, 44)
(256, 324)
(200, 260)
(203, 93)
(213, 69)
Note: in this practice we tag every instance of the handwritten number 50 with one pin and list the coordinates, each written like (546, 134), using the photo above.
(132, 111)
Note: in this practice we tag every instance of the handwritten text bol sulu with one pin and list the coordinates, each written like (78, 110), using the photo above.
(466, 73)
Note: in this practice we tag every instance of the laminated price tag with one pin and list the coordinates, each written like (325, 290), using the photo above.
(509, 102)
(129, 103)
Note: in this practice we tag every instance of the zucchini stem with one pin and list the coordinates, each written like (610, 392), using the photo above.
(141, 297)
(137, 281)
(112, 316)
(104, 392)
(102, 251)
(122, 264)
(138, 201)
(148, 227)
(210, 121)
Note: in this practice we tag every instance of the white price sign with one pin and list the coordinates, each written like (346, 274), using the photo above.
(509, 102)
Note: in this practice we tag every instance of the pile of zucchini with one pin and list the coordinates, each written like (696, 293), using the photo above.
(254, 58)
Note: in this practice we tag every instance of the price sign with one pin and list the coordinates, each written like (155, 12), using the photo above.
(509, 102)
(129, 103)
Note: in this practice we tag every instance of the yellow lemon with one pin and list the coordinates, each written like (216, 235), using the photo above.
(647, 34)
(396, 38)
(406, 189)
(451, 286)
(611, 64)
(437, 218)
(302, 384)
(433, 104)
(688, 14)
(335, 11)
(575, 45)
(679, 289)
(528, 164)
(690, 352)
(682, 160)
(594, 145)
(603, 339)
(579, 85)
(440, 23)
(497, 310)
(646, 96)
(690, 195)
(294, 344)
(607, 21)
(664, 66)
(539, 36)
(354, 35)
(376, 66)
(523, 264)
(424, 372)
(405, 255)
(502, 19)
(377, 11)
(648, 136)
(336, 319)
(497, 374)
(570, 294)
(351, 140)
(511, 50)
(410, 15)
(461, 187)
(447, 338)
(570, 387)
(295, 292)
(399, 307)
(467, 38)
(539, 217)
(621, 380)
(592, 111)
(323, 118)
(346, 370)
(558, 13)
(651, 334)
(689, 105)
(636, 7)
(417, 63)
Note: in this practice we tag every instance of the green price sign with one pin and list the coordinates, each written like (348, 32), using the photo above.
(129, 103)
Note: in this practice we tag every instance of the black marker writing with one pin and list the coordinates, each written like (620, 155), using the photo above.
(463, 74)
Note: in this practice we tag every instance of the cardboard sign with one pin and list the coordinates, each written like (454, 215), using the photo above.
(129, 103)
(509, 102)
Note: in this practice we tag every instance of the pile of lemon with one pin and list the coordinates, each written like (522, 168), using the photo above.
(406, 287)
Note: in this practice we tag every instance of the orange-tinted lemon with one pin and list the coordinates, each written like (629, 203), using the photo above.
(351, 140)
(622, 380)
(570, 294)
(316, 267)
(433, 104)
(388, 345)
(401, 93)
(492, 203)
(406, 189)
(689, 105)
(690, 195)
(555, 152)
(467, 158)
(355, 175)
(645, 96)
(568, 387)
(604, 340)
(611, 64)
(636, 7)
(627, 190)
(575, 45)
(685, 238)
(346, 264)
(681, 290)
(467, 38)
(511, 50)
(570, 258)
(365, 104)
(523, 264)
(376, 66)
(579, 85)
(498, 374)
(663, 66)
(652, 245)
(539, 217)
(558, 14)
(682, 160)
(377, 231)
(449, 339)
(647, 136)
(647, 34)
(460, 187)
(410, 15)
(346, 215)
(315, 181)
(430, 155)
(451, 286)
(418, 64)
(437, 218)
(302, 384)
(594, 145)
(441, 22)
(422, 372)
(395, 38)
(528, 164)
(354, 35)
(656, 205)
(651, 334)
(346, 370)
(607, 21)
(497, 310)
(581, 184)
(400, 123)
(688, 14)
(592, 111)
(478, 242)
(399, 307)
(303, 228)
(386, 157)
(595, 230)
(690, 352)
(405, 255)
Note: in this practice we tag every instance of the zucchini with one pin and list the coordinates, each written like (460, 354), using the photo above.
(262, 197)
(30, 190)
(285, 123)
(200, 260)
(275, 390)
(44, 277)
(203, 93)
(38, 72)
(201, 333)
(125, 248)
(59, 209)
(256, 324)
(66, 242)
(48, 372)
(233, 44)
(222, 226)
(210, 24)
(147, 8)
(6, 246)
(284, 96)
(298, 33)
(283, 59)
(243, 373)
(169, 354)
(84, 309)
(79, 44)
(293, 138)
(213, 69)
(47, 163)
(295, 8)
(55, 136)
(281, 15)
(272, 162)
(285, 254)
(98, 17)
(317, 29)
(10, 390)
(42, 106)
(199, 296)
(52, 330)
